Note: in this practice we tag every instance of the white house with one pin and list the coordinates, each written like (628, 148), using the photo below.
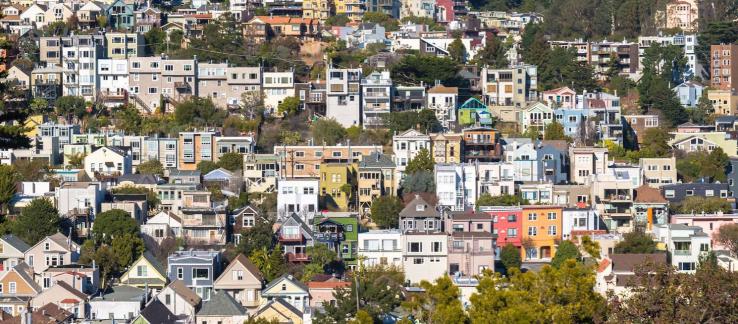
(34, 15)
(406, 146)
(79, 195)
(456, 185)
(537, 115)
(107, 161)
(119, 303)
(298, 196)
(443, 101)
(496, 178)
(343, 96)
(424, 255)
(162, 225)
(579, 219)
(685, 244)
(112, 76)
(277, 86)
(381, 247)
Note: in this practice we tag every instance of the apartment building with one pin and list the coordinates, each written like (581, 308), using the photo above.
(406, 146)
(121, 45)
(724, 102)
(224, 84)
(513, 86)
(496, 178)
(194, 147)
(443, 100)
(599, 53)
(375, 179)
(381, 247)
(152, 78)
(303, 161)
(614, 192)
(686, 245)
(240, 80)
(317, 9)
(376, 98)
(162, 149)
(658, 171)
(298, 195)
(723, 67)
(456, 185)
(447, 147)
(112, 81)
(79, 58)
(586, 161)
(542, 228)
(481, 144)
(277, 87)
(424, 255)
(471, 245)
(260, 172)
(683, 14)
(343, 96)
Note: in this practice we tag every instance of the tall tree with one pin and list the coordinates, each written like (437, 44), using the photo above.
(421, 181)
(113, 224)
(510, 257)
(421, 162)
(412, 69)
(36, 221)
(440, 303)
(231, 161)
(457, 51)
(327, 131)
(8, 179)
(636, 242)
(728, 236)
(199, 112)
(153, 167)
(554, 131)
(386, 210)
(127, 249)
(206, 166)
(258, 237)
(71, 107)
(566, 251)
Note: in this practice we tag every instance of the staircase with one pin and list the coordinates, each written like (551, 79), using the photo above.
(141, 104)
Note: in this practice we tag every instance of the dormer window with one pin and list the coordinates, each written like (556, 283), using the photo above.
(284, 287)
(420, 207)
(47, 246)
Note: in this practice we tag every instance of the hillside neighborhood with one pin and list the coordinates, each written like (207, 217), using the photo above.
(391, 161)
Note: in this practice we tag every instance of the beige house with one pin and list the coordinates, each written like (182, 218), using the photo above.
(12, 251)
(58, 12)
(145, 272)
(290, 290)
(221, 309)
(19, 77)
(224, 85)
(243, 281)
(280, 311)
(52, 251)
(682, 14)
(658, 171)
(16, 289)
(64, 296)
(150, 78)
(124, 45)
(179, 299)
(724, 102)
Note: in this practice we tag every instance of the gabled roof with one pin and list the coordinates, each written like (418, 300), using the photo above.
(646, 194)
(15, 242)
(289, 278)
(412, 132)
(246, 263)
(376, 160)
(473, 103)
(218, 173)
(293, 218)
(21, 270)
(441, 89)
(162, 218)
(148, 179)
(154, 263)
(412, 209)
(559, 90)
(186, 293)
(221, 304)
(156, 313)
(279, 301)
(60, 239)
(61, 284)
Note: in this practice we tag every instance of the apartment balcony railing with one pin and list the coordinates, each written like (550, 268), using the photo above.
(329, 236)
(298, 257)
(290, 237)
(682, 252)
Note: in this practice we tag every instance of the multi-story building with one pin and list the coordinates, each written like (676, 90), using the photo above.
(406, 146)
(122, 45)
(639, 124)
(336, 189)
(683, 14)
(298, 196)
(242, 80)
(112, 81)
(580, 220)
(343, 96)
(456, 185)
(513, 86)
(260, 172)
(317, 9)
(340, 234)
(154, 78)
(471, 246)
(303, 161)
(46, 82)
(686, 245)
(424, 255)
(496, 178)
(376, 98)
(687, 41)
(650, 208)
(224, 85)
(443, 100)
(613, 192)
(162, 149)
(599, 53)
(447, 147)
(381, 247)
(353, 9)
(481, 144)
(277, 87)
(388, 7)
(419, 215)
(376, 178)
(417, 8)
(194, 147)
(723, 67)
(658, 171)
(196, 269)
(724, 102)
(295, 236)
(677, 192)
(202, 223)
(79, 58)
(541, 227)
(586, 161)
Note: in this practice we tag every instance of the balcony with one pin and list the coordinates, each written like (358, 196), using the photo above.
(298, 257)
(682, 252)
(329, 237)
(290, 237)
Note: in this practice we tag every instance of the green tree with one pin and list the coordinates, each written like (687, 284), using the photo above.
(199, 112)
(697, 204)
(440, 303)
(270, 263)
(107, 260)
(421, 162)
(590, 246)
(258, 237)
(554, 131)
(127, 248)
(37, 220)
(426, 68)
(636, 242)
(76, 160)
(8, 179)
(153, 167)
(113, 225)
(701, 164)
(727, 235)
(421, 181)
(71, 107)
(128, 120)
(503, 200)
(566, 250)
(289, 106)
(31, 170)
(385, 211)
(231, 161)
(337, 20)
(39, 105)
(327, 131)
(510, 257)
(423, 120)
(310, 270)
(493, 54)
(205, 166)
(457, 51)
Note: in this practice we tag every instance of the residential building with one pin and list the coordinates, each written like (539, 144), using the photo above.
(419, 215)
(618, 272)
(381, 247)
(447, 147)
(481, 144)
(406, 146)
(495, 178)
(686, 245)
(471, 245)
(408, 97)
(537, 116)
(650, 208)
(563, 97)
(242, 219)
(336, 189)
(64, 296)
(53, 250)
(343, 96)
(340, 234)
(162, 149)
(280, 310)
(145, 272)
(124, 45)
(317, 9)
(688, 42)
(542, 226)
(290, 290)
(108, 161)
(119, 303)
(723, 67)
(613, 193)
(203, 223)
(260, 172)
(658, 171)
(424, 255)
(689, 93)
(277, 86)
(704, 141)
(12, 251)
(376, 98)
(579, 220)
(221, 307)
(18, 289)
(152, 78)
(376, 178)
(474, 113)
(639, 124)
(79, 55)
(112, 79)
(724, 102)
(677, 192)
(298, 195)
(303, 161)
(194, 147)
(443, 101)
(80, 196)
(196, 269)
(295, 236)
(324, 291)
(586, 161)
(46, 82)
(177, 298)
(683, 15)
(456, 186)
(513, 86)
(598, 54)
(243, 281)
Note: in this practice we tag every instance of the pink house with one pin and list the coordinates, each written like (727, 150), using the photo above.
(444, 11)
(471, 245)
(322, 291)
(710, 223)
(560, 98)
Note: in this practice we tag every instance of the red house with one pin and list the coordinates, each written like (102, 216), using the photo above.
(508, 224)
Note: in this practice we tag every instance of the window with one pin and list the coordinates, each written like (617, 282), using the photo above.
(704, 247)
(142, 271)
(532, 217)
(415, 247)
(690, 192)
(180, 273)
(669, 193)
(417, 260)
(551, 216)
(532, 231)
(46, 246)
(47, 282)
(686, 266)
(436, 247)
(237, 274)
(709, 193)
(512, 232)
(11, 287)
(552, 230)
(200, 273)
(511, 218)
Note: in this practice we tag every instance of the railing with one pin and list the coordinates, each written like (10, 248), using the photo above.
(682, 252)
(290, 237)
(329, 236)
(295, 257)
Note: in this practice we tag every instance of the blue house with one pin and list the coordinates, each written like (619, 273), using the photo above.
(689, 93)
(571, 119)
(473, 111)
(121, 16)
(196, 269)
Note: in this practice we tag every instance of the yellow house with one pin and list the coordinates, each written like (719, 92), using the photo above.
(541, 227)
(446, 147)
(279, 311)
(337, 185)
(724, 102)
(290, 290)
(351, 8)
(145, 272)
(376, 179)
(32, 123)
(316, 9)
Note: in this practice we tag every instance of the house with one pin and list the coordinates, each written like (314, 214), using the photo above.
(724, 102)
(380, 247)
(108, 161)
(456, 185)
(481, 144)
(177, 176)
(419, 215)
(221, 308)
(12, 251)
(88, 14)
(289, 289)
(682, 14)
(203, 225)
(19, 77)
(196, 269)
(689, 93)
(155, 313)
(277, 86)
(563, 97)
(53, 250)
(261, 28)
(34, 15)
(343, 96)
(650, 207)
(677, 192)
(146, 272)
(376, 173)
(119, 303)
(57, 12)
(322, 291)
(447, 147)
(85, 278)
(542, 228)
(295, 236)
(340, 234)
(243, 281)
(443, 100)
(513, 86)
(537, 116)
(297, 196)
(260, 172)
(281, 311)
(376, 97)
(424, 255)
(585, 161)
(335, 179)
(49, 313)
(658, 172)
(303, 161)
(134, 204)
(178, 299)
(163, 225)
(578, 220)
(617, 275)
(704, 141)
(508, 225)
(17, 289)
(471, 244)
(121, 15)
(64, 296)
(406, 146)
(686, 245)
(472, 112)
(243, 219)
(73, 195)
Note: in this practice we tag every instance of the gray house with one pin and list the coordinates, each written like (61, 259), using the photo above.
(419, 215)
(196, 269)
(677, 192)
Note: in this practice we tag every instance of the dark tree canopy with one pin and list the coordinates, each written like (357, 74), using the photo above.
(386, 210)
(36, 221)
(636, 242)
(113, 224)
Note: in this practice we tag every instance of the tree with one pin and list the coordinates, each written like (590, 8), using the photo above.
(590, 246)
(153, 167)
(337, 20)
(76, 160)
(128, 120)
(386, 210)
(128, 248)
(289, 106)
(510, 257)
(327, 132)
(39, 105)
(31, 170)
(71, 107)
(113, 225)
(421, 181)
(440, 303)
(728, 236)
(554, 295)
(424, 120)
(198, 112)
(8, 179)
(412, 69)
(457, 51)
(107, 260)
(701, 164)
(493, 54)
(231, 161)
(421, 162)
(697, 204)
(270, 263)
(37, 220)
(566, 250)
(486, 199)
(554, 131)
(636, 242)
(205, 166)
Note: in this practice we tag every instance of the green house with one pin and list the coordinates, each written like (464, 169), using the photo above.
(473, 112)
(341, 234)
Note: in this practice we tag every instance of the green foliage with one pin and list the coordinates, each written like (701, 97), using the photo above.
(636, 242)
(697, 205)
(128, 248)
(237, 202)
(258, 237)
(432, 25)
(493, 54)
(554, 131)
(412, 69)
(76, 160)
(566, 251)
(199, 112)
(289, 106)
(8, 178)
(701, 164)
(727, 235)
(205, 166)
(558, 295)
(151, 167)
(271, 263)
(113, 225)
(31, 170)
(503, 200)
(440, 303)
(39, 105)
(422, 181)
(152, 199)
(721, 32)
(510, 257)
(590, 246)
(423, 120)
(381, 18)
(423, 161)
(385, 211)
(231, 161)
(128, 120)
(327, 131)
(457, 51)
(71, 107)
(36, 221)
(337, 20)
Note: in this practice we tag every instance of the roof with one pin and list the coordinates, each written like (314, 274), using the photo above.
(189, 296)
(16, 242)
(646, 194)
(331, 283)
(289, 278)
(628, 262)
(376, 160)
(418, 207)
(139, 178)
(154, 263)
(122, 293)
(221, 304)
(72, 290)
(249, 266)
(277, 20)
(156, 313)
(184, 173)
(281, 302)
(469, 215)
(603, 265)
(443, 90)
(49, 313)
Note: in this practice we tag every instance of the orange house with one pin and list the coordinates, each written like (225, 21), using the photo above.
(17, 288)
(542, 226)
